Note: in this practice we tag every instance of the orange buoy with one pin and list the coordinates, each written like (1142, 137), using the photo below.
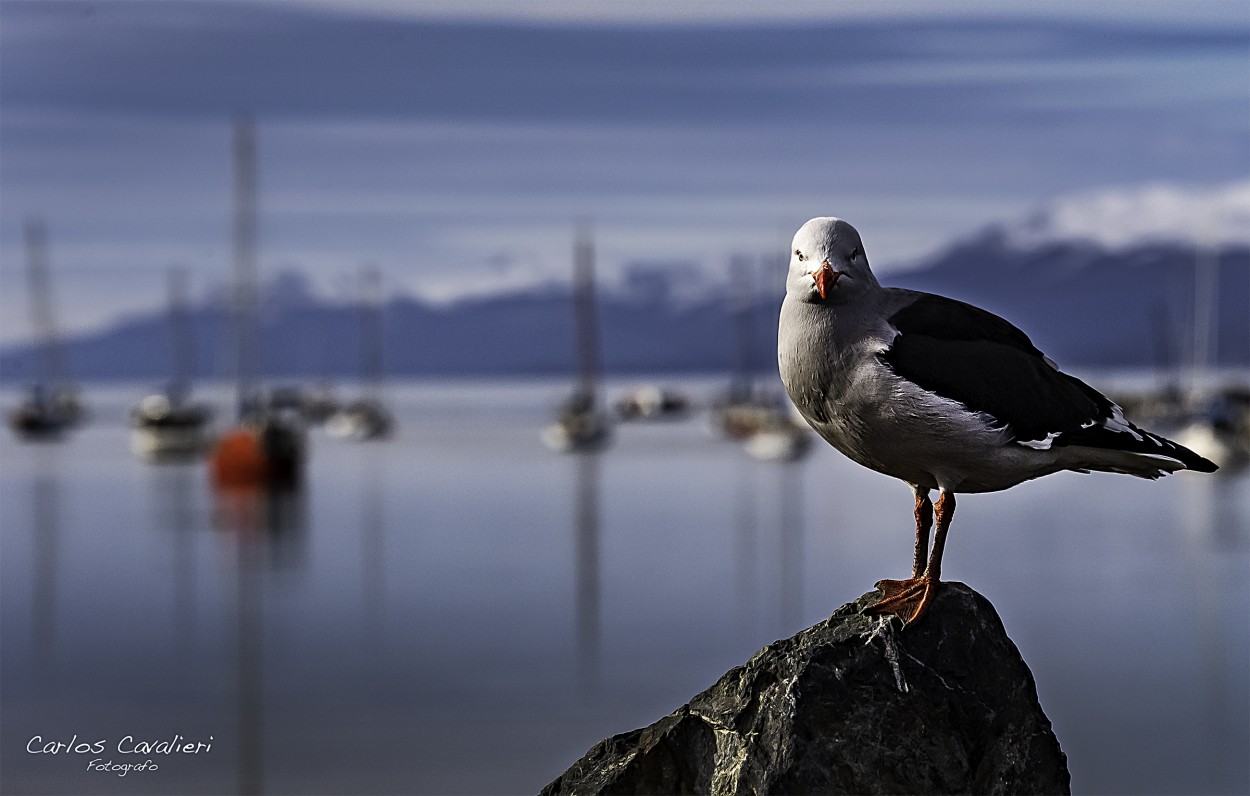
(239, 460)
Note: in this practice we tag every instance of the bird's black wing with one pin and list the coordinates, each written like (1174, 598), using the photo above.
(972, 356)
(980, 360)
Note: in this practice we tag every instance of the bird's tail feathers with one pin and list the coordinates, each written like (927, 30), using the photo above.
(1135, 450)
(1109, 460)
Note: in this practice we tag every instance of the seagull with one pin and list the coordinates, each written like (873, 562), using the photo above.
(940, 394)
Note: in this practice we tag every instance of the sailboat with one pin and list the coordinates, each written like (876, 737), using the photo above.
(742, 410)
(266, 449)
(366, 418)
(53, 406)
(580, 424)
(649, 402)
(167, 425)
(763, 421)
(1216, 426)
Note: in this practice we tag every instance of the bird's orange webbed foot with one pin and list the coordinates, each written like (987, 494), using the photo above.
(906, 599)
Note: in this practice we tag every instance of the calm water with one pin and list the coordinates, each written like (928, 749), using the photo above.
(461, 611)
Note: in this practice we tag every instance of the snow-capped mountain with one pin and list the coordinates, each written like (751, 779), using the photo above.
(1127, 218)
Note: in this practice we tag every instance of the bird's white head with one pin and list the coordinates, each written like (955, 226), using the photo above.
(827, 263)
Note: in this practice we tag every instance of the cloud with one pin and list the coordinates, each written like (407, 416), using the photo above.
(1122, 217)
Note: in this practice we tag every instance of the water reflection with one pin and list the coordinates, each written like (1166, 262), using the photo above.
(791, 513)
(769, 519)
(373, 545)
(1212, 526)
(46, 530)
(274, 521)
(267, 528)
(250, 682)
(746, 544)
(172, 490)
(588, 589)
(258, 585)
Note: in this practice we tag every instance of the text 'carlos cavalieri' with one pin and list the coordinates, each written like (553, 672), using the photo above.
(128, 745)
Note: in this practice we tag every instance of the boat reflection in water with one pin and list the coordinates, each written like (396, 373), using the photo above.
(790, 537)
(769, 531)
(587, 592)
(373, 553)
(1210, 523)
(46, 534)
(173, 508)
(267, 529)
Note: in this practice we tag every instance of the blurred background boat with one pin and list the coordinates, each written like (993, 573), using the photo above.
(651, 402)
(759, 416)
(367, 417)
(1202, 409)
(320, 402)
(52, 405)
(361, 420)
(1215, 419)
(581, 424)
(168, 424)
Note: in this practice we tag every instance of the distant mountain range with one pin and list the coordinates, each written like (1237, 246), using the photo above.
(1119, 301)
(1086, 305)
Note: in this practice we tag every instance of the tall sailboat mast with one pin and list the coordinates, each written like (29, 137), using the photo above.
(183, 343)
(244, 300)
(742, 383)
(41, 316)
(371, 332)
(585, 312)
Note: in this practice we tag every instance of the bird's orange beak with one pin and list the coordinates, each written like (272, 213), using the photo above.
(825, 278)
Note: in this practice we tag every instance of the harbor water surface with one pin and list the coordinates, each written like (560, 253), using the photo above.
(459, 610)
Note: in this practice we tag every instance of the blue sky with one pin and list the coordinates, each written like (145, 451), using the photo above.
(455, 144)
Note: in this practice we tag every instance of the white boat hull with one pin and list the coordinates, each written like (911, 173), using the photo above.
(159, 443)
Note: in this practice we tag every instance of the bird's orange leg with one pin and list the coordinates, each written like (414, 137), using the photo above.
(924, 521)
(909, 599)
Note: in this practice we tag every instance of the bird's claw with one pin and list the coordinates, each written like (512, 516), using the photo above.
(906, 599)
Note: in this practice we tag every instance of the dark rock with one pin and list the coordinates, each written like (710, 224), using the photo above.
(854, 704)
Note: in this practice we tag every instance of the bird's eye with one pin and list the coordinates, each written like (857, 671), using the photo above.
(800, 255)
(854, 254)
